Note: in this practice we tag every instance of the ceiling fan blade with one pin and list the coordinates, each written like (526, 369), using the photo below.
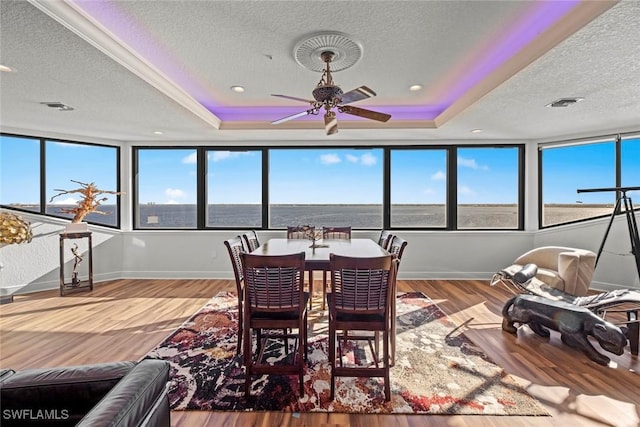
(367, 114)
(330, 122)
(293, 116)
(358, 94)
(294, 98)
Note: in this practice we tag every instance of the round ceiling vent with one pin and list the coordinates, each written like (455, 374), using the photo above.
(308, 51)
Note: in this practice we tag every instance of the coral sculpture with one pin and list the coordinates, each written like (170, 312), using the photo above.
(89, 203)
(14, 229)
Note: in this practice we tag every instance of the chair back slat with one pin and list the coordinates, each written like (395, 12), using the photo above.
(362, 285)
(299, 231)
(336, 232)
(273, 283)
(397, 247)
(251, 240)
(235, 249)
(385, 239)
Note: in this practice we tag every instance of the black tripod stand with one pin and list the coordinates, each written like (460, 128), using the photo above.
(632, 225)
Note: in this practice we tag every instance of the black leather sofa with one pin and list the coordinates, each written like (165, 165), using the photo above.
(107, 394)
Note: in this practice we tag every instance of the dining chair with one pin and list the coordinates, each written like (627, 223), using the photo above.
(235, 248)
(301, 232)
(251, 240)
(339, 233)
(384, 239)
(396, 248)
(336, 232)
(361, 304)
(275, 306)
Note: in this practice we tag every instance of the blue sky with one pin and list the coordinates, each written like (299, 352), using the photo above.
(319, 176)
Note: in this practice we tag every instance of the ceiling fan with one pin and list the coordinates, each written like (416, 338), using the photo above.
(328, 95)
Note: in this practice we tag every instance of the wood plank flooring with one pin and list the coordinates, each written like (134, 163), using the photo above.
(124, 319)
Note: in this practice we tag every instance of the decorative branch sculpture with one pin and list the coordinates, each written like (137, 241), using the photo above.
(89, 203)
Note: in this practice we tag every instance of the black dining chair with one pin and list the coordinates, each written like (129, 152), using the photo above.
(251, 240)
(339, 233)
(396, 248)
(275, 307)
(385, 239)
(360, 304)
(235, 248)
(302, 232)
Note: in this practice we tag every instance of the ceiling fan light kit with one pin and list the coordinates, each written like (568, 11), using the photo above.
(331, 48)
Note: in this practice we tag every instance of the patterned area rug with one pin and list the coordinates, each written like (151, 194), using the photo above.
(437, 371)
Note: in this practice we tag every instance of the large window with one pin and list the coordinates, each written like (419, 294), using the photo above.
(326, 187)
(489, 187)
(234, 188)
(418, 188)
(56, 187)
(20, 172)
(568, 168)
(70, 167)
(166, 188)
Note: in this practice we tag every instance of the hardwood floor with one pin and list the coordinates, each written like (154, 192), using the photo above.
(124, 319)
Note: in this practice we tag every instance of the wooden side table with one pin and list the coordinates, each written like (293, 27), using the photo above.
(76, 284)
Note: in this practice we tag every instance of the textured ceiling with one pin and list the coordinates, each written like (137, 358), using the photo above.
(129, 68)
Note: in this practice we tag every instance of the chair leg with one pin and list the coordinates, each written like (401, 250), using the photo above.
(311, 289)
(324, 289)
(387, 379)
(332, 358)
(247, 360)
(240, 327)
(392, 360)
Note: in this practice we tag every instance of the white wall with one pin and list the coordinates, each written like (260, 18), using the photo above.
(201, 254)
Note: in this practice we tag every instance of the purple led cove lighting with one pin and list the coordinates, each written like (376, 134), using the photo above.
(541, 16)
(274, 113)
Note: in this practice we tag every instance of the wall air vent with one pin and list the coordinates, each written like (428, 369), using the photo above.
(564, 102)
(58, 105)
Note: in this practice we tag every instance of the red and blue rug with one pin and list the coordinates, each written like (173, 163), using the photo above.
(437, 371)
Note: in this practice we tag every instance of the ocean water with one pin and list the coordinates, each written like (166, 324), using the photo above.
(357, 216)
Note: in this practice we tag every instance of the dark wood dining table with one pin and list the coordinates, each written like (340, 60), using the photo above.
(318, 259)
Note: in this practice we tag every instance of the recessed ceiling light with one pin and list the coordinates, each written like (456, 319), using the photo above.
(237, 89)
(564, 102)
(157, 132)
(476, 130)
(415, 88)
(6, 69)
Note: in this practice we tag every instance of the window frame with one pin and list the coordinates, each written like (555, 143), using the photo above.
(43, 174)
(617, 143)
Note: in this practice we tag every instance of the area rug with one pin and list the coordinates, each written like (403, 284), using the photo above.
(437, 371)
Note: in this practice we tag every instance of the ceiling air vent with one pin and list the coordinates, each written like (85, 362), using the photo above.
(58, 105)
(564, 102)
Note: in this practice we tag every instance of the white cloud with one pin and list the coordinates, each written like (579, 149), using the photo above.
(172, 202)
(368, 159)
(470, 163)
(439, 176)
(428, 191)
(174, 193)
(191, 159)
(67, 201)
(330, 159)
(463, 189)
(224, 155)
(467, 163)
(351, 158)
